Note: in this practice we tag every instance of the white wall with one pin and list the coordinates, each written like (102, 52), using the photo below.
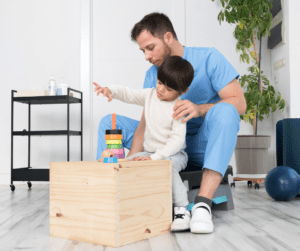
(38, 37)
(282, 82)
(294, 58)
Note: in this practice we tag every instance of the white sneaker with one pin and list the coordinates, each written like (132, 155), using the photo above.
(201, 222)
(182, 218)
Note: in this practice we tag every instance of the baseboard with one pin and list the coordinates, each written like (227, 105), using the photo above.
(252, 176)
(4, 178)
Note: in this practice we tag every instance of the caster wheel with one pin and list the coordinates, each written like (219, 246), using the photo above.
(12, 187)
(232, 184)
(256, 186)
(249, 183)
(29, 184)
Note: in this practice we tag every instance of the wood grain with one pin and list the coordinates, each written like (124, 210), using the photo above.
(111, 205)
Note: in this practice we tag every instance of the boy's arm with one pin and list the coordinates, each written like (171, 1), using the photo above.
(174, 143)
(128, 95)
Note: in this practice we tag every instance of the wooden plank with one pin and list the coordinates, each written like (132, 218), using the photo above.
(166, 242)
(19, 231)
(145, 200)
(255, 180)
(83, 201)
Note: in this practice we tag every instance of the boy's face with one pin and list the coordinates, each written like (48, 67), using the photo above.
(155, 49)
(165, 93)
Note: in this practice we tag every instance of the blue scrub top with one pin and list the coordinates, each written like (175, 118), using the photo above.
(212, 72)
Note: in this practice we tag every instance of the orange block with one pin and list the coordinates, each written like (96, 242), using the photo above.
(114, 136)
(113, 121)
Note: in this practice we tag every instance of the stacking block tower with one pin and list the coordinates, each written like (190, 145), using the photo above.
(114, 139)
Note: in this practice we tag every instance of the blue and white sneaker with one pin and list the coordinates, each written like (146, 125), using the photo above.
(182, 218)
(201, 222)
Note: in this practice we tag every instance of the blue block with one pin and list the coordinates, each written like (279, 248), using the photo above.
(110, 160)
(219, 200)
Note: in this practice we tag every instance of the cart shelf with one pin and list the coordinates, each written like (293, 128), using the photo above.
(47, 133)
(47, 100)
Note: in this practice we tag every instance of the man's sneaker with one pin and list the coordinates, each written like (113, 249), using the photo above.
(182, 219)
(201, 222)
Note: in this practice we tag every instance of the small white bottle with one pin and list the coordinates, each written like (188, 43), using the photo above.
(52, 86)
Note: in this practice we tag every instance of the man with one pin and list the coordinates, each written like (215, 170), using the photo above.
(211, 106)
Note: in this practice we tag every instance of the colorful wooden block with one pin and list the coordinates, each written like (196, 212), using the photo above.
(115, 131)
(116, 146)
(119, 156)
(107, 153)
(113, 141)
(110, 204)
(115, 151)
(113, 136)
(110, 160)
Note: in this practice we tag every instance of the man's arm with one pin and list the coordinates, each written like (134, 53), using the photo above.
(231, 94)
(138, 138)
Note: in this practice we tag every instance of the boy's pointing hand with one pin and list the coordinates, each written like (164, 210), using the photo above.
(104, 90)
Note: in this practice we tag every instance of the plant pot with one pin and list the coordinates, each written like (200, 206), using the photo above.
(251, 155)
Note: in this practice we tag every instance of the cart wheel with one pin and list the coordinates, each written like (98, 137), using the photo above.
(256, 186)
(12, 187)
(249, 183)
(232, 184)
(29, 184)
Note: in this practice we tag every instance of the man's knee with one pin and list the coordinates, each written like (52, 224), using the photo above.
(105, 122)
(225, 114)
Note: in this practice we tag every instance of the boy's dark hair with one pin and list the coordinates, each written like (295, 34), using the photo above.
(156, 23)
(176, 73)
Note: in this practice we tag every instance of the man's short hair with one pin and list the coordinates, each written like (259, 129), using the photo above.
(176, 73)
(158, 24)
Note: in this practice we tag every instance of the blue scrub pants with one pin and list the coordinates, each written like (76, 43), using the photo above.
(210, 146)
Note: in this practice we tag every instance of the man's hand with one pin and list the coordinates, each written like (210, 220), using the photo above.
(104, 90)
(189, 109)
(141, 158)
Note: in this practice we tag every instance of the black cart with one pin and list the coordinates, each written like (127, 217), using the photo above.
(27, 173)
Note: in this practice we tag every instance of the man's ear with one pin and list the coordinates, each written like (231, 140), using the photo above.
(168, 38)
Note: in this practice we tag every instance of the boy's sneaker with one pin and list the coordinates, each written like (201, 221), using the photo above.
(201, 222)
(182, 219)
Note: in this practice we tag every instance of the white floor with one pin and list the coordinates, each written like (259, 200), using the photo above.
(256, 223)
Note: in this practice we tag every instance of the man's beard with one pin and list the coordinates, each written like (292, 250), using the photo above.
(166, 53)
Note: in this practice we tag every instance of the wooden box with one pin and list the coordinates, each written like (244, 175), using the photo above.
(110, 204)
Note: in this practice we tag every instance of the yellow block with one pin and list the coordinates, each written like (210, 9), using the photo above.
(110, 204)
(113, 141)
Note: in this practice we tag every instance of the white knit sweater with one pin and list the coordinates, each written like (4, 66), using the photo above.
(164, 136)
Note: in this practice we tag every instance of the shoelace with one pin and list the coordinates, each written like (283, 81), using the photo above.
(179, 216)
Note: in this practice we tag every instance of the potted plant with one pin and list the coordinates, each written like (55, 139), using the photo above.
(253, 21)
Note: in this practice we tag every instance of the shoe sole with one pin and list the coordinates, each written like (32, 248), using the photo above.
(180, 230)
(201, 231)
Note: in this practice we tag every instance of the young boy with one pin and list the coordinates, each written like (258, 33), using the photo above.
(164, 136)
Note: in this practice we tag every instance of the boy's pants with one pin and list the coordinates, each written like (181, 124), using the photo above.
(210, 145)
(179, 162)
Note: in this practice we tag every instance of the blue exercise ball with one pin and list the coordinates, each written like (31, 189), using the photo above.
(282, 183)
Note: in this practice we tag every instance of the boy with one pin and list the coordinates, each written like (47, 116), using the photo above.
(164, 136)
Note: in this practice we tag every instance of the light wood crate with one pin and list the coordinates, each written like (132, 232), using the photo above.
(110, 204)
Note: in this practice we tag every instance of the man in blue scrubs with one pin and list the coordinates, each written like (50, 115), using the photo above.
(212, 107)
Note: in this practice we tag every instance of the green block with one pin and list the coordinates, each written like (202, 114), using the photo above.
(114, 146)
